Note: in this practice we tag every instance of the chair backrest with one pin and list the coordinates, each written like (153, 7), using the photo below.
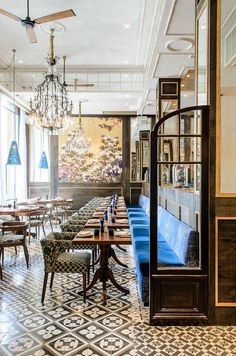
(52, 247)
(38, 213)
(15, 227)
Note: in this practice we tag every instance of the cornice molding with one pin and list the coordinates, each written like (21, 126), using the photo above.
(81, 69)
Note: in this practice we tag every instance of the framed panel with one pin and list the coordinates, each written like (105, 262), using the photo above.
(225, 272)
(169, 88)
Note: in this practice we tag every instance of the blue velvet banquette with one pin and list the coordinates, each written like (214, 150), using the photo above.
(177, 242)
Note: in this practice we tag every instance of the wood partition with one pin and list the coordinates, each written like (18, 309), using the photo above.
(180, 293)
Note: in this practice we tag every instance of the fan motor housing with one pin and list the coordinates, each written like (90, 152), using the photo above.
(28, 22)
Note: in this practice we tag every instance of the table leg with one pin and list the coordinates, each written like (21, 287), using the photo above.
(117, 285)
(113, 255)
(121, 248)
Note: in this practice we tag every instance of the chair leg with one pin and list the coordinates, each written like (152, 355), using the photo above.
(0, 265)
(88, 273)
(51, 224)
(2, 249)
(16, 250)
(26, 254)
(84, 287)
(51, 281)
(44, 286)
(93, 258)
(43, 230)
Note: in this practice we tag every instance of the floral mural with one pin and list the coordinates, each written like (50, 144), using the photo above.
(91, 152)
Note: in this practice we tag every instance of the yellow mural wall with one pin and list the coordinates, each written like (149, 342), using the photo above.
(104, 154)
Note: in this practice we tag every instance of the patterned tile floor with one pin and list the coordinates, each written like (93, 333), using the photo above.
(65, 326)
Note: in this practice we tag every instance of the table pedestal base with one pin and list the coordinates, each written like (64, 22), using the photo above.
(104, 273)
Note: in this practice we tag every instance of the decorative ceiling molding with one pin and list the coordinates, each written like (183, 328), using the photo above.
(173, 13)
(175, 61)
(140, 30)
(175, 45)
(150, 95)
(156, 21)
(170, 17)
(80, 69)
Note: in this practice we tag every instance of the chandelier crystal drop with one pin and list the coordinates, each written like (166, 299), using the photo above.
(50, 108)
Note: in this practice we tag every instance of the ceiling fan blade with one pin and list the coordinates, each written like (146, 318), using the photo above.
(80, 85)
(31, 35)
(56, 16)
(8, 14)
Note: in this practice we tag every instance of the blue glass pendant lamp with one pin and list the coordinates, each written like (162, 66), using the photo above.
(43, 163)
(13, 155)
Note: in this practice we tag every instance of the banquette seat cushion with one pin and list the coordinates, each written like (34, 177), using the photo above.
(177, 243)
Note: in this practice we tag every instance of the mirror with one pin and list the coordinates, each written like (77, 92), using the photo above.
(140, 127)
(144, 154)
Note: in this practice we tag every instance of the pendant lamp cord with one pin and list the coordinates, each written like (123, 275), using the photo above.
(80, 123)
(14, 88)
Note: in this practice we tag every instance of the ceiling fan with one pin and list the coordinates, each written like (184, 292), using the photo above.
(76, 82)
(30, 24)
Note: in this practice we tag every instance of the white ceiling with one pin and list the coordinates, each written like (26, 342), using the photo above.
(123, 47)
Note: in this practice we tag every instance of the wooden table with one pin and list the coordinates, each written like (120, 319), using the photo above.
(18, 212)
(120, 215)
(104, 273)
(98, 214)
(121, 210)
(100, 209)
(109, 224)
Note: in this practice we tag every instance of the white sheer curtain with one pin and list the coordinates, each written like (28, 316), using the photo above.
(13, 179)
(2, 155)
(21, 181)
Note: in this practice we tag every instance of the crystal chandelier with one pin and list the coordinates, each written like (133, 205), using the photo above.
(51, 108)
(79, 143)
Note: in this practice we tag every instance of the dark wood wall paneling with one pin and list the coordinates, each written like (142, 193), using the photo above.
(226, 252)
(223, 233)
(225, 309)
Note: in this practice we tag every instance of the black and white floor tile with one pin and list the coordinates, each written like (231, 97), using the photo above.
(65, 326)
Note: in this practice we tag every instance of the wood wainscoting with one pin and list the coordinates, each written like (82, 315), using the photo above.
(37, 190)
(82, 193)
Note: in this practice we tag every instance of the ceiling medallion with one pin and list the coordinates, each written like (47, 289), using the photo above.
(55, 26)
(181, 44)
(50, 107)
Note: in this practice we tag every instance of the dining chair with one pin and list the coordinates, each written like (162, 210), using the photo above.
(36, 220)
(58, 258)
(13, 235)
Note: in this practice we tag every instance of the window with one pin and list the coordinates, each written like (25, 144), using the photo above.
(13, 181)
(39, 142)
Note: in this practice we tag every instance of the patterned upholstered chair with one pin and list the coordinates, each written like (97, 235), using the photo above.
(13, 235)
(69, 227)
(58, 258)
